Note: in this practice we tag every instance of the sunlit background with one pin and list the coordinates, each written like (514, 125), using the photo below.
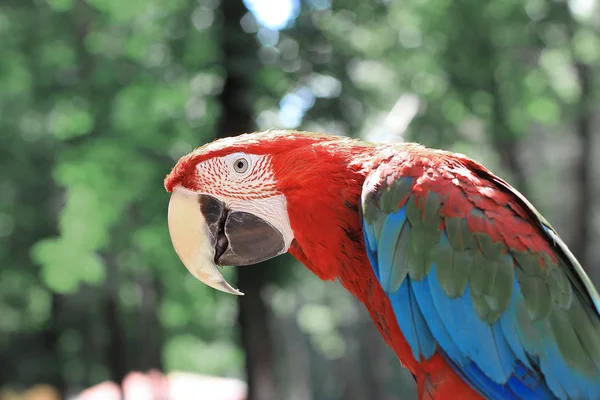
(99, 98)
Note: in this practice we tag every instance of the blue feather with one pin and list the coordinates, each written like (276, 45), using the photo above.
(411, 322)
(509, 326)
(518, 387)
(529, 384)
(492, 390)
(371, 247)
(369, 233)
(478, 344)
(503, 360)
(556, 363)
(390, 231)
(436, 326)
(484, 351)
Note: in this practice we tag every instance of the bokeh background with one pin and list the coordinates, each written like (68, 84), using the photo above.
(99, 98)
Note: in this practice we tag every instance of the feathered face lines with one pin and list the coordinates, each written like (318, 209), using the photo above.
(237, 176)
(211, 165)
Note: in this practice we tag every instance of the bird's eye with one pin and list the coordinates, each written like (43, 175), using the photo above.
(240, 165)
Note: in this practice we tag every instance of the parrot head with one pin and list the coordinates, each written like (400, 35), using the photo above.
(231, 199)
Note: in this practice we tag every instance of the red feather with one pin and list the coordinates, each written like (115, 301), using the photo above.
(465, 186)
(322, 178)
(323, 194)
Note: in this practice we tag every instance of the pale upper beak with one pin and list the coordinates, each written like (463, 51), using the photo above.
(206, 234)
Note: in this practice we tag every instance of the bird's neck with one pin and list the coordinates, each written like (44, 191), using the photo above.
(323, 206)
(328, 233)
(325, 218)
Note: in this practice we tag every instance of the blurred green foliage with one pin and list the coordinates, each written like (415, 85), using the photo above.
(101, 97)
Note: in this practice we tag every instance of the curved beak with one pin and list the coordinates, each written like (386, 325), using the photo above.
(207, 235)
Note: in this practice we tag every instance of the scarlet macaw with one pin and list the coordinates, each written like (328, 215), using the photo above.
(467, 283)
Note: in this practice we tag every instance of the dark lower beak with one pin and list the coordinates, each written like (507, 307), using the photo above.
(239, 238)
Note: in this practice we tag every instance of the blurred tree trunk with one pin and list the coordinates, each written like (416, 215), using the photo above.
(115, 352)
(116, 357)
(580, 242)
(150, 329)
(352, 371)
(239, 56)
(355, 387)
(255, 335)
(297, 356)
(50, 337)
(373, 356)
(583, 210)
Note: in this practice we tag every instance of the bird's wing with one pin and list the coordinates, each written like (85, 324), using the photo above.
(474, 272)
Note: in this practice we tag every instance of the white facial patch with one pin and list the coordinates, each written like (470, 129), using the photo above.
(222, 176)
(271, 209)
(251, 189)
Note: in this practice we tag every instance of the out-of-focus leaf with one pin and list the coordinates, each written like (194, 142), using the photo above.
(586, 44)
(314, 318)
(544, 110)
(186, 352)
(61, 5)
(70, 118)
(65, 267)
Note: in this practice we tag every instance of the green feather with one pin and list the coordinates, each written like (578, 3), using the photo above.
(490, 249)
(426, 235)
(502, 288)
(529, 333)
(417, 259)
(461, 266)
(412, 212)
(536, 294)
(391, 196)
(452, 268)
(560, 288)
(443, 258)
(491, 284)
(568, 343)
(481, 306)
(370, 208)
(431, 214)
(459, 235)
(400, 258)
(378, 225)
(482, 275)
(528, 261)
(587, 328)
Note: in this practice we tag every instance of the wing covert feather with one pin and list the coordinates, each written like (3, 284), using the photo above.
(473, 271)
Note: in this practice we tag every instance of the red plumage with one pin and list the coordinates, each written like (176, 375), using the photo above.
(322, 178)
(323, 186)
(314, 190)
(464, 185)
